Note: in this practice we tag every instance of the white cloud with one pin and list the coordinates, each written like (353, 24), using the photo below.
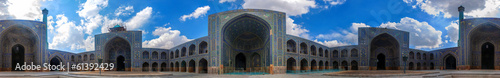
(335, 2)
(67, 35)
(345, 35)
(296, 29)
(139, 19)
(90, 12)
(222, 1)
(91, 7)
(89, 44)
(124, 10)
(422, 35)
(20, 9)
(452, 31)
(200, 11)
(332, 43)
(134, 23)
(50, 23)
(168, 38)
(492, 9)
(449, 8)
(291, 7)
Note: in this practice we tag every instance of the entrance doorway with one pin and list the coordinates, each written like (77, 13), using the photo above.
(487, 56)
(380, 62)
(120, 63)
(17, 56)
(450, 62)
(55, 61)
(240, 62)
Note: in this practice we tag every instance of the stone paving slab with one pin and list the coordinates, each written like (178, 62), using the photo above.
(378, 73)
(122, 74)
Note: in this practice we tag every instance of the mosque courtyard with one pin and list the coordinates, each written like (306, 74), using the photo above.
(373, 73)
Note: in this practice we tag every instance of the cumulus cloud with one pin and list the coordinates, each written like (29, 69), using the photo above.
(167, 38)
(140, 18)
(200, 11)
(134, 23)
(452, 31)
(20, 9)
(90, 12)
(332, 43)
(296, 29)
(67, 34)
(422, 35)
(345, 36)
(124, 10)
(222, 1)
(335, 2)
(291, 7)
(449, 8)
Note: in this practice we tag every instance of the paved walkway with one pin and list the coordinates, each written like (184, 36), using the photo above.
(441, 74)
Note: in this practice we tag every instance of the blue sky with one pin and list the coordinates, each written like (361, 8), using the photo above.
(166, 23)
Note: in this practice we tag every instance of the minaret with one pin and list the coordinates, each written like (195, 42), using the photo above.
(460, 26)
(461, 13)
(45, 12)
(43, 36)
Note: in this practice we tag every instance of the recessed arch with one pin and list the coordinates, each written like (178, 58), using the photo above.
(290, 65)
(21, 42)
(183, 52)
(203, 47)
(145, 67)
(291, 46)
(240, 62)
(303, 48)
(303, 65)
(384, 50)
(163, 67)
(56, 60)
(354, 65)
(354, 52)
(314, 65)
(449, 62)
(192, 66)
(203, 65)
(183, 66)
(192, 48)
(345, 65)
(487, 56)
(313, 50)
(154, 66)
(335, 65)
(154, 55)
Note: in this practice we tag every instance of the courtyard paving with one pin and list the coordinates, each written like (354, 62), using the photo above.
(439, 74)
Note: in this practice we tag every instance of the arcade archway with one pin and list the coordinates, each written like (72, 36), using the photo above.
(450, 62)
(354, 65)
(203, 66)
(290, 65)
(192, 66)
(303, 65)
(55, 61)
